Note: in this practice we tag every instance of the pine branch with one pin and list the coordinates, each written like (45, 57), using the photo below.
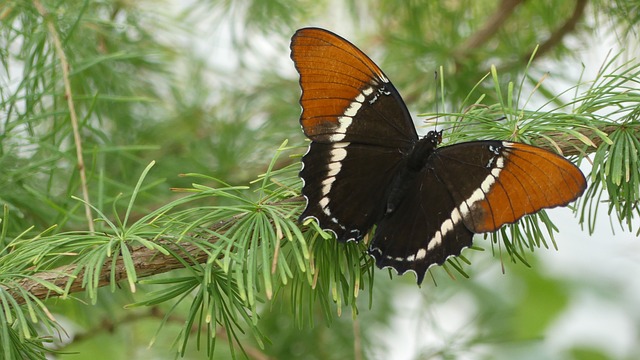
(148, 262)
(571, 146)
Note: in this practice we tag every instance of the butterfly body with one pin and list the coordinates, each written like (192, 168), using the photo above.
(414, 163)
(367, 166)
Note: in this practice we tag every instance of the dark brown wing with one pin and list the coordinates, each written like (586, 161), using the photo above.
(360, 129)
(471, 188)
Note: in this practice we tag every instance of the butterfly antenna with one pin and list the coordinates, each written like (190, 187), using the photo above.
(435, 76)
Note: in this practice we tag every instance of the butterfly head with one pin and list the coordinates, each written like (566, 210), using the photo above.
(434, 138)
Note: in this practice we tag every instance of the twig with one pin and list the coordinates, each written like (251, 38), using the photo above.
(503, 12)
(560, 33)
(357, 341)
(72, 109)
(493, 24)
(553, 40)
(110, 325)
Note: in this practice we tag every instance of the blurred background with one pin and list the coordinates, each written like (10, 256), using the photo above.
(208, 87)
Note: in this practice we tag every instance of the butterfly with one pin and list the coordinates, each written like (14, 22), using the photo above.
(366, 165)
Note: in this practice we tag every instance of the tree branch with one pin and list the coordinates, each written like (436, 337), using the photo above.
(149, 262)
(555, 38)
(495, 22)
(490, 28)
(146, 262)
(560, 33)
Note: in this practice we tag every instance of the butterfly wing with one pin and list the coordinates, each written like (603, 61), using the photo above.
(345, 95)
(420, 232)
(471, 188)
(503, 181)
(345, 186)
(362, 135)
(360, 129)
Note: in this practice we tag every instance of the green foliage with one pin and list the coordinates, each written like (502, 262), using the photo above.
(614, 96)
